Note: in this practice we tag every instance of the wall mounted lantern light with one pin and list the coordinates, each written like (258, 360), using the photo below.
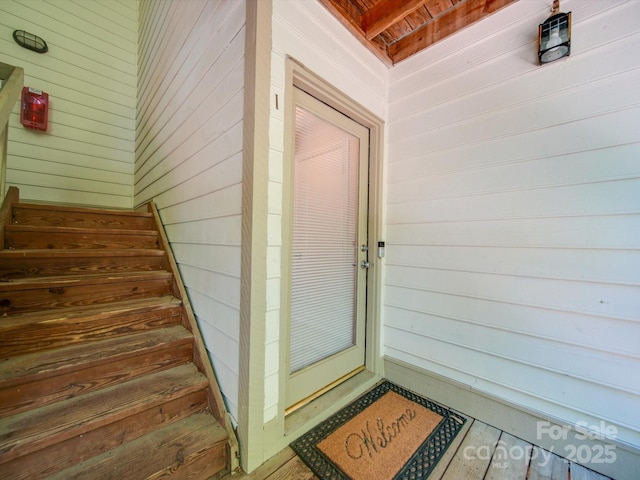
(554, 35)
(30, 41)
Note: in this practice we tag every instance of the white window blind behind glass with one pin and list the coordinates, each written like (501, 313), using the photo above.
(325, 220)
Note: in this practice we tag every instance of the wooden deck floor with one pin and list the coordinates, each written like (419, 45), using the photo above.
(479, 452)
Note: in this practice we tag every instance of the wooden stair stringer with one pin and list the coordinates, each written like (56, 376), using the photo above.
(216, 400)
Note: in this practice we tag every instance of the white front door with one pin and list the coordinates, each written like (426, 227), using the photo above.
(329, 261)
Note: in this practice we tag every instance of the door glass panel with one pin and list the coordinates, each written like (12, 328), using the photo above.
(325, 229)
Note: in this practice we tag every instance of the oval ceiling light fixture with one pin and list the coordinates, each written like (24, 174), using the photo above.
(554, 36)
(30, 41)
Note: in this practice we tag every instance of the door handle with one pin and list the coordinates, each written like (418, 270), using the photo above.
(365, 264)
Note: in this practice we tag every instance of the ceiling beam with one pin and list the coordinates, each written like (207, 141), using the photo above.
(384, 14)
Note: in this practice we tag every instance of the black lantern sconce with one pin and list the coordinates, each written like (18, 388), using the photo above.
(554, 36)
(30, 41)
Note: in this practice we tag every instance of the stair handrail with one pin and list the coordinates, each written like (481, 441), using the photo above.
(11, 82)
(216, 401)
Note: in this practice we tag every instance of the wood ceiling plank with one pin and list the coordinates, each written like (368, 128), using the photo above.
(418, 17)
(444, 25)
(346, 13)
(384, 14)
(362, 5)
(352, 20)
(436, 7)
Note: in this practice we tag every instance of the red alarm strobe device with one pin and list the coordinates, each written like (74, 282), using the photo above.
(34, 108)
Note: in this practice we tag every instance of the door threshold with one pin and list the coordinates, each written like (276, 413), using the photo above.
(322, 391)
(345, 390)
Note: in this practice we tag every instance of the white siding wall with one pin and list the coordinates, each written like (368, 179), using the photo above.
(189, 157)
(513, 232)
(306, 31)
(86, 156)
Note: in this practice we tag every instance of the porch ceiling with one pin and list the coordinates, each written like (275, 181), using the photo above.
(397, 29)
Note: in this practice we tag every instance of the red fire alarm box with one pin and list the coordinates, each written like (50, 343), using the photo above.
(34, 108)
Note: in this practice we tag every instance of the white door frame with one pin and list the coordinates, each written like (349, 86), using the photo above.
(313, 379)
(299, 76)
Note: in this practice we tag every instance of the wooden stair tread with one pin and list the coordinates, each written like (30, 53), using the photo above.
(65, 291)
(190, 448)
(45, 229)
(79, 253)
(62, 455)
(74, 314)
(33, 283)
(40, 214)
(30, 263)
(41, 330)
(61, 238)
(30, 431)
(74, 357)
(33, 380)
(89, 210)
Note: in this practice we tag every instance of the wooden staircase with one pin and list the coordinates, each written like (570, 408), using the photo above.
(103, 373)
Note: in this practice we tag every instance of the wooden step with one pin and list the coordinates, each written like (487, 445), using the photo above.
(31, 294)
(61, 216)
(100, 374)
(37, 379)
(52, 459)
(90, 424)
(18, 237)
(193, 448)
(47, 263)
(42, 330)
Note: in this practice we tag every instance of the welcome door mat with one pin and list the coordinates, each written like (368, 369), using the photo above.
(387, 434)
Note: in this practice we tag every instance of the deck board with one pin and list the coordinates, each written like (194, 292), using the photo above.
(477, 453)
(441, 467)
(472, 458)
(578, 472)
(510, 459)
(545, 465)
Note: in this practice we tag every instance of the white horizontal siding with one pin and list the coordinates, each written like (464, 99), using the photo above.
(189, 158)
(556, 232)
(513, 213)
(86, 155)
(571, 264)
(307, 32)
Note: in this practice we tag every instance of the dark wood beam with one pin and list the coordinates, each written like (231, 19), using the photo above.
(444, 25)
(384, 14)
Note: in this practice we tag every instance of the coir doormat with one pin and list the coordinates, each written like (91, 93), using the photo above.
(387, 434)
